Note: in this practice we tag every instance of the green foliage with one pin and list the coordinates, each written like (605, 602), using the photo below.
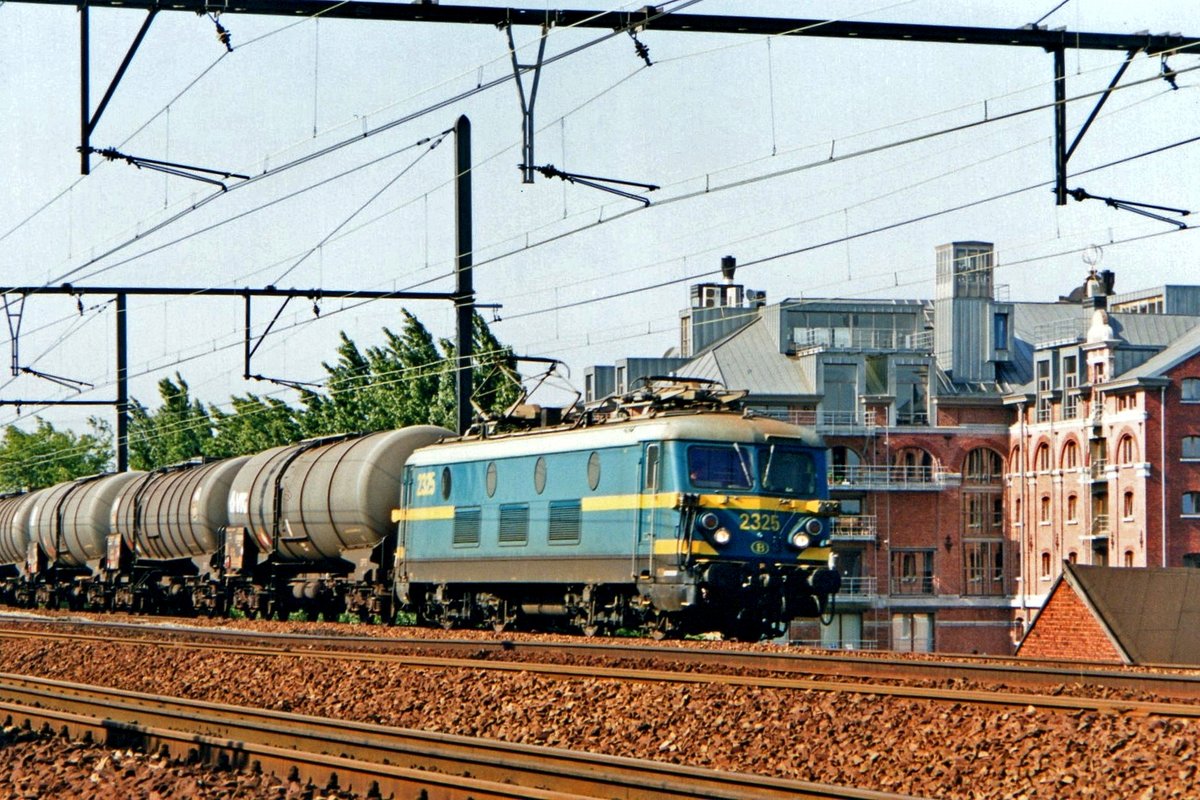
(178, 430)
(45, 456)
(254, 425)
(409, 379)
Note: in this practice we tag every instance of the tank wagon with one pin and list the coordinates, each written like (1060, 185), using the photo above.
(664, 511)
(667, 521)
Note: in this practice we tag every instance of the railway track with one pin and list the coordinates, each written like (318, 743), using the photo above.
(499, 652)
(493, 659)
(374, 760)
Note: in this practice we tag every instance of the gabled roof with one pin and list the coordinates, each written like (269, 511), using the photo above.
(749, 358)
(1152, 614)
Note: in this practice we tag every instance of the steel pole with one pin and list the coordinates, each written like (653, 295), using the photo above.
(464, 292)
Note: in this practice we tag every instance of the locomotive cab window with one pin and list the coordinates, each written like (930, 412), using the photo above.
(719, 467)
(787, 470)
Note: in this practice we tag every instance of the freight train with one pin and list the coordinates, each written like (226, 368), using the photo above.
(666, 512)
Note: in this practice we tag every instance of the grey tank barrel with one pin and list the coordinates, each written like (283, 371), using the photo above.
(14, 530)
(179, 512)
(320, 499)
(71, 521)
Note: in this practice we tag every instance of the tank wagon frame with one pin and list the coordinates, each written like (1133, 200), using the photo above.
(665, 511)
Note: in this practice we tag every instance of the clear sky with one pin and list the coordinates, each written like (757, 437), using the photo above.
(722, 123)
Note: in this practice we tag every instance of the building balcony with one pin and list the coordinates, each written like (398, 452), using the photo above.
(1098, 469)
(854, 529)
(858, 589)
(833, 422)
(912, 586)
(808, 339)
(896, 478)
(1100, 527)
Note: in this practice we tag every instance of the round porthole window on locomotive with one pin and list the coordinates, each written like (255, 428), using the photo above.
(594, 470)
(539, 475)
(445, 483)
(491, 479)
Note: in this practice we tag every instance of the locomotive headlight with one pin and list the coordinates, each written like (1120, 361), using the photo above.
(721, 536)
(708, 520)
(800, 540)
(812, 527)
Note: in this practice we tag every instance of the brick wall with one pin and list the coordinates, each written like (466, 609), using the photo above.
(1067, 629)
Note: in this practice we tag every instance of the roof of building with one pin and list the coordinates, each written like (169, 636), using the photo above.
(1152, 614)
(749, 358)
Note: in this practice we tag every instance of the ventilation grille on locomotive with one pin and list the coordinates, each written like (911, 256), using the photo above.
(564, 522)
(514, 524)
(466, 526)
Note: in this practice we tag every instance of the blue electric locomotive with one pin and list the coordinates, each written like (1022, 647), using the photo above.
(669, 521)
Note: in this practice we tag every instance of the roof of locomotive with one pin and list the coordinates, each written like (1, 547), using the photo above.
(715, 426)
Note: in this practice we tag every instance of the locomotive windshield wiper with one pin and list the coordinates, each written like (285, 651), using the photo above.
(743, 459)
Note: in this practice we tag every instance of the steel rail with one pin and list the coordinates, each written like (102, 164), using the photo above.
(608, 672)
(978, 669)
(495, 768)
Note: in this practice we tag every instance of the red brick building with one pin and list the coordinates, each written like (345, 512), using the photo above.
(975, 444)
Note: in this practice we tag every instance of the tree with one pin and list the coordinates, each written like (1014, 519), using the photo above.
(178, 430)
(45, 456)
(254, 425)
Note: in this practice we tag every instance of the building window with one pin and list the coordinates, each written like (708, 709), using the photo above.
(840, 404)
(621, 380)
(1014, 461)
(1191, 447)
(1043, 457)
(1070, 455)
(1017, 511)
(983, 564)
(1000, 331)
(1073, 557)
(1045, 566)
(1126, 451)
(1127, 506)
(1044, 512)
(912, 395)
(1191, 390)
(912, 633)
(1191, 504)
(843, 464)
(1129, 558)
(1072, 509)
(912, 572)
(983, 466)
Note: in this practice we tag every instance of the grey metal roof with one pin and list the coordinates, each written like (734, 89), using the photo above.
(749, 358)
(1158, 365)
(1152, 614)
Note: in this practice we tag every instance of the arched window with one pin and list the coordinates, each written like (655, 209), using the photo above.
(1126, 450)
(1045, 565)
(1042, 457)
(1070, 455)
(913, 464)
(843, 464)
(1017, 511)
(1072, 508)
(1129, 558)
(983, 466)
(1127, 506)
(1044, 513)
(1014, 460)
(1073, 557)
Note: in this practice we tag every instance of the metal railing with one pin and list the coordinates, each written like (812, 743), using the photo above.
(1100, 526)
(1098, 468)
(859, 587)
(854, 528)
(1063, 330)
(921, 584)
(895, 477)
(844, 644)
(861, 339)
